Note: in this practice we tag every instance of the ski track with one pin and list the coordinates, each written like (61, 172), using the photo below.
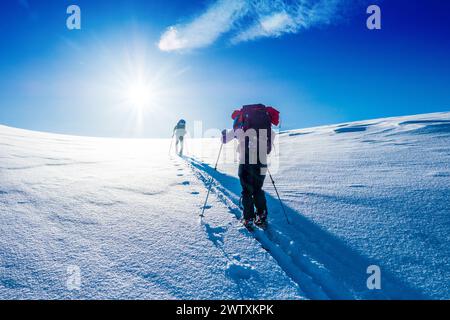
(310, 261)
(295, 255)
(314, 280)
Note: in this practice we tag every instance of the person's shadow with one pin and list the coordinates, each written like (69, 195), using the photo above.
(325, 260)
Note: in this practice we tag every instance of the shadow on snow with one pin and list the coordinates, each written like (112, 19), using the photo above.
(323, 266)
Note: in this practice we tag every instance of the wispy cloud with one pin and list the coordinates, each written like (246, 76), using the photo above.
(206, 28)
(246, 20)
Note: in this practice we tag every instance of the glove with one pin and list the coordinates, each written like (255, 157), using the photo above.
(224, 136)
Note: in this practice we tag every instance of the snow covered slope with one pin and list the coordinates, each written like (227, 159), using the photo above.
(126, 214)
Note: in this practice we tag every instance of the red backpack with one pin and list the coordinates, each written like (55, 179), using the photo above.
(257, 116)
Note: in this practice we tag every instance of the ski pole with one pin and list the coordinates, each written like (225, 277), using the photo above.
(211, 181)
(171, 143)
(278, 195)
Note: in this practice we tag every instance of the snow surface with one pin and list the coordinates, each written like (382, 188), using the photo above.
(126, 213)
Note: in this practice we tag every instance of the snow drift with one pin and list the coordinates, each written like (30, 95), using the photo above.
(125, 214)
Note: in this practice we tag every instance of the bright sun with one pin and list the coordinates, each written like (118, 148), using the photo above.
(138, 95)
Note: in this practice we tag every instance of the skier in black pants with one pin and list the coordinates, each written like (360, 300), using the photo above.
(252, 128)
(252, 181)
(179, 132)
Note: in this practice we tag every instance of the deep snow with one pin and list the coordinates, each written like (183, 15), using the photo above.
(126, 213)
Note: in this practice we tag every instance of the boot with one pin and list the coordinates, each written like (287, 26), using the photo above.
(248, 223)
(261, 219)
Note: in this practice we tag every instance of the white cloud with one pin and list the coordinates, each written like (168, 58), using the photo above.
(205, 29)
(247, 20)
(269, 26)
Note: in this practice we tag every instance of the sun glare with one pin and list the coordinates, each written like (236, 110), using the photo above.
(138, 95)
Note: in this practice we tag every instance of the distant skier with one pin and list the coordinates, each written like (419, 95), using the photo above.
(179, 132)
(252, 127)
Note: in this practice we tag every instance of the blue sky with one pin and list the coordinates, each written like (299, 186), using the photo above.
(316, 62)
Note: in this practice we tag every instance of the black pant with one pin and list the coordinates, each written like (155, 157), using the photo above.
(181, 141)
(252, 194)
